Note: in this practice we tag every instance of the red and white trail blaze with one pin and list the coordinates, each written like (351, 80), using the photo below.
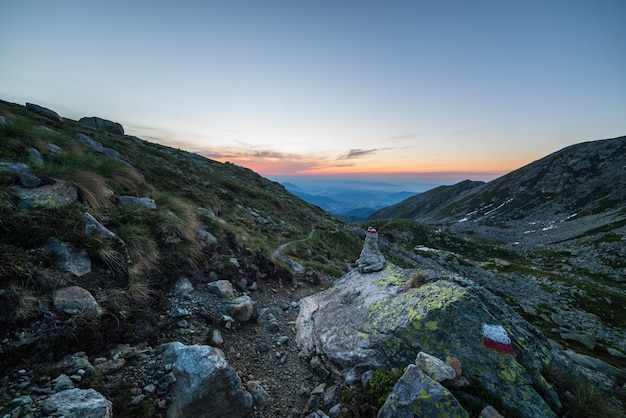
(496, 338)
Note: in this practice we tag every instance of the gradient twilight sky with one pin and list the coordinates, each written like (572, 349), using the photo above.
(440, 89)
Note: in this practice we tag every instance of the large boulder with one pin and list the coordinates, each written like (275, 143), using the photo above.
(100, 124)
(44, 111)
(386, 320)
(206, 386)
(78, 403)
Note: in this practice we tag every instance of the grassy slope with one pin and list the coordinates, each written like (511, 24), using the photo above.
(248, 214)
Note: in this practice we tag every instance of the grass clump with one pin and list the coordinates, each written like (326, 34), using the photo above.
(581, 397)
(381, 385)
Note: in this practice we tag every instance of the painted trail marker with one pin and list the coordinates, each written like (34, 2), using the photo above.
(496, 338)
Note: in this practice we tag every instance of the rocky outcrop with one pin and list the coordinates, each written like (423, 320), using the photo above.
(386, 321)
(206, 386)
(100, 124)
(44, 111)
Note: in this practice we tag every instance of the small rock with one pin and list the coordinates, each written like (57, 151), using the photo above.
(282, 340)
(144, 202)
(222, 288)
(110, 366)
(62, 382)
(319, 389)
(75, 300)
(616, 353)
(489, 412)
(89, 141)
(182, 287)
(69, 259)
(216, 338)
(179, 312)
(53, 151)
(586, 340)
(435, 368)
(455, 363)
(259, 395)
(206, 238)
(336, 411)
(34, 157)
(242, 308)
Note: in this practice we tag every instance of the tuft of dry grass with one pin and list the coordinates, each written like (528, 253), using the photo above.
(417, 279)
(140, 290)
(92, 189)
(125, 179)
(115, 260)
(28, 305)
(143, 249)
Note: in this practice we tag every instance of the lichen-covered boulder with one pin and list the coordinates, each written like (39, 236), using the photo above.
(417, 395)
(386, 321)
(61, 193)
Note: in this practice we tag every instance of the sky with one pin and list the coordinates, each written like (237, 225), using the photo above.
(411, 90)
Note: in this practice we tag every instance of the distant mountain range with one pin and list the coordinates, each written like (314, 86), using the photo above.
(572, 199)
(350, 204)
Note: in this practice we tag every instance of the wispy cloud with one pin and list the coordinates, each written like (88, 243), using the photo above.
(358, 153)
(469, 130)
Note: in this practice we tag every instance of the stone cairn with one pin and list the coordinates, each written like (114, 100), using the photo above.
(371, 258)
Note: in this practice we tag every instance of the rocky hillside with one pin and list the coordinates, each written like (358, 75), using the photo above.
(97, 227)
(574, 192)
(549, 238)
(144, 281)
